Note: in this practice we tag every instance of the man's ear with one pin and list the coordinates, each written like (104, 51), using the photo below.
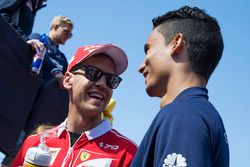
(68, 80)
(177, 44)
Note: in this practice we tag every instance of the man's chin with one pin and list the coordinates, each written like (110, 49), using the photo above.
(150, 92)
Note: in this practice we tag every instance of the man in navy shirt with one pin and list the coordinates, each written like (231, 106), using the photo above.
(55, 62)
(182, 52)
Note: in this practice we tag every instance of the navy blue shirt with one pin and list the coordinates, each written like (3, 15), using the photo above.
(187, 132)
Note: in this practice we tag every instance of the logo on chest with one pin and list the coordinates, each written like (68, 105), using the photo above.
(110, 147)
(92, 158)
(84, 156)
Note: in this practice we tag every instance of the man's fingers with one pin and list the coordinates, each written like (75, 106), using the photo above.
(36, 45)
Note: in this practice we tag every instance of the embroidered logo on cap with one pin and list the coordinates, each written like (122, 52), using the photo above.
(91, 48)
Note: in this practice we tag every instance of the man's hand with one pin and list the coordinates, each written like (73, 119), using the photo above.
(36, 45)
(59, 76)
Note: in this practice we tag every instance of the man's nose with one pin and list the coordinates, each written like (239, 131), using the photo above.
(141, 68)
(101, 82)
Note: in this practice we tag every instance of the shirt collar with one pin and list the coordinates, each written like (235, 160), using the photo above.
(62, 127)
(99, 130)
(191, 92)
(91, 134)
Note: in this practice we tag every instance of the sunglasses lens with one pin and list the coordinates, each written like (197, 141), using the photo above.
(93, 74)
(113, 81)
(70, 35)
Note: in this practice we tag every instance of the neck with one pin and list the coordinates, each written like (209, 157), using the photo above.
(176, 85)
(79, 122)
(53, 39)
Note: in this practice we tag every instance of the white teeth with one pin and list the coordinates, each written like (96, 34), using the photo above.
(96, 95)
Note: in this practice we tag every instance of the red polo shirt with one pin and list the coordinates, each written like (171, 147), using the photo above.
(98, 147)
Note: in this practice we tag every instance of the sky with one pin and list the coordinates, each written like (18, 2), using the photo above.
(128, 24)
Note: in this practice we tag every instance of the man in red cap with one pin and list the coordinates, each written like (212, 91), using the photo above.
(84, 139)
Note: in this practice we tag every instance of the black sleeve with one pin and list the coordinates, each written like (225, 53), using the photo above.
(9, 6)
(7, 10)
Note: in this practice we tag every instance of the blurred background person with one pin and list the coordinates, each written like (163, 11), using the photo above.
(55, 63)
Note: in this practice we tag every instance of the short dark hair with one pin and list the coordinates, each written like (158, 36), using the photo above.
(201, 33)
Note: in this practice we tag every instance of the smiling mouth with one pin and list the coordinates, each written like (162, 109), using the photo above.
(97, 96)
(145, 74)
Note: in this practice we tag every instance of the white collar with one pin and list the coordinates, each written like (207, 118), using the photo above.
(91, 134)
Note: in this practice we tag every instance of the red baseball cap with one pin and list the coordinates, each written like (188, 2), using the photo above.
(118, 56)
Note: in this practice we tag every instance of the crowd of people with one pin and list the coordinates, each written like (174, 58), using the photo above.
(182, 51)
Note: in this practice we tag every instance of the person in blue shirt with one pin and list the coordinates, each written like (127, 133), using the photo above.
(182, 52)
(55, 62)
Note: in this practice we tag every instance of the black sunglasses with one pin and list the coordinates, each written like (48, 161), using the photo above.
(68, 32)
(94, 74)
